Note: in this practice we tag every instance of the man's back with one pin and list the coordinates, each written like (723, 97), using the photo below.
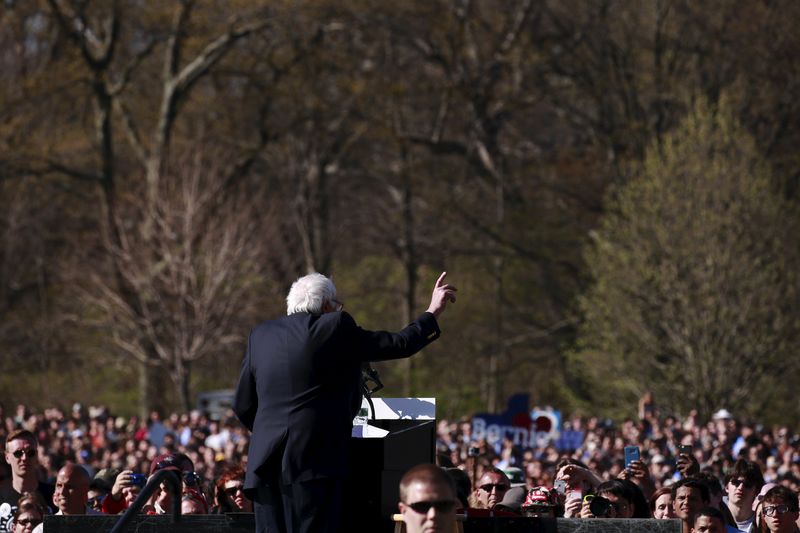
(298, 392)
(304, 380)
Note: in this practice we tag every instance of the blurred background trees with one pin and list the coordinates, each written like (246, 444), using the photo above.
(695, 294)
(166, 173)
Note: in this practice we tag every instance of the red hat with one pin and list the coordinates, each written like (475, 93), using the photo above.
(171, 461)
(540, 497)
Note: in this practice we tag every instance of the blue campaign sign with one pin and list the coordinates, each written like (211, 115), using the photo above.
(514, 423)
(546, 420)
(569, 440)
(535, 428)
(538, 427)
(546, 423)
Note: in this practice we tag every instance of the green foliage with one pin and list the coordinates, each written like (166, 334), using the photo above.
(695, 288)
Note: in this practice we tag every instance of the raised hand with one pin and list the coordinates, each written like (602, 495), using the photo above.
(442, 293)
(636, 470)
(123, 480)
(687, 465)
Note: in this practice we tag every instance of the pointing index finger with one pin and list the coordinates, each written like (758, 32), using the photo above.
(441, 279)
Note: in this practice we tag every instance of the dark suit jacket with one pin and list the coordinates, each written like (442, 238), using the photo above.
(300, 388)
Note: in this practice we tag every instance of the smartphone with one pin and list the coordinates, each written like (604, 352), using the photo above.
(685, 450)
(575, 495)
(561, 486)
(138, 480)
(631, 454)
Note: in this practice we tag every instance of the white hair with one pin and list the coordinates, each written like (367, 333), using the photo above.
(309, 294)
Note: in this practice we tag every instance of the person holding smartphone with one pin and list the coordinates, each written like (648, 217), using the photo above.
(578, 480)
(636, 471)
(124, 492)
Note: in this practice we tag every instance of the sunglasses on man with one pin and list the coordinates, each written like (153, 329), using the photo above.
(29, 452)
(737, 482)
(500, 487)
(445, 506)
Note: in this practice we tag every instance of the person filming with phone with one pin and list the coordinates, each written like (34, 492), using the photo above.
(636, 471)
(124, 492)
(577, 481)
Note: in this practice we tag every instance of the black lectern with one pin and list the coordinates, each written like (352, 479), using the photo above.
(377, 464)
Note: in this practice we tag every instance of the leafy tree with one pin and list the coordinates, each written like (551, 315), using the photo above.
(695, 290)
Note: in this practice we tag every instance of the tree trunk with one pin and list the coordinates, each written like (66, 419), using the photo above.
(409, 258)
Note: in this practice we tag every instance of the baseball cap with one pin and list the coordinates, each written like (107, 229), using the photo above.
(512, 500)
(171, 461)
(515, 475)
(540, 497)
(764, 489)
(722, 414)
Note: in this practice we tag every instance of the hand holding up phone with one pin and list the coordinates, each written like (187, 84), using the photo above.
(687, 465)
(632, 453)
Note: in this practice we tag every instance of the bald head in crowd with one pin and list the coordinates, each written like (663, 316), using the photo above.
(72, 490)
(427, 500)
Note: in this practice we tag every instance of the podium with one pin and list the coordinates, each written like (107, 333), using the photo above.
(377, 463)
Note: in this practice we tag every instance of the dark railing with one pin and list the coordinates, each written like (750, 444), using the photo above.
(174, 486)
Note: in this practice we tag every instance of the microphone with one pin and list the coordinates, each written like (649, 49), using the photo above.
(370, 380)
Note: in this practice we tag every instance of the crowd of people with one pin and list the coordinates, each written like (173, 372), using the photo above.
(715, 445)
(744, 472)
(105, 460)
(735, 474)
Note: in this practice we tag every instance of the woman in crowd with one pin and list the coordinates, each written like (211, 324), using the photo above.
(661, 504)
(229, 492)
(30, 513)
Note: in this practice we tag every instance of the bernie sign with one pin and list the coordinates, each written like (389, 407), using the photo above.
(525, 427)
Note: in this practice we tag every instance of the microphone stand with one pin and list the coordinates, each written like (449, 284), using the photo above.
(370, 376)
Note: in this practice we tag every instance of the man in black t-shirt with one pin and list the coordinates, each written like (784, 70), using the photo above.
(21, 454)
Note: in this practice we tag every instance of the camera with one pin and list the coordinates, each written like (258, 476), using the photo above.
(599, 506)
(474, 451)
(138, 480)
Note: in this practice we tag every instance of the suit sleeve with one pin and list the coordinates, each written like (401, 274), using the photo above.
(384, 345)
(245, 402)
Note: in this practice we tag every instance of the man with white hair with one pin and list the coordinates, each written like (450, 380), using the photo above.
(298, 392)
